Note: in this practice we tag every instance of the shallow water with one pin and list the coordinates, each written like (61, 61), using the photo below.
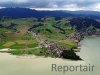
(32, 65)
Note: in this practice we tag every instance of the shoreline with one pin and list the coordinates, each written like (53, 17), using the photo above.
(8, 50)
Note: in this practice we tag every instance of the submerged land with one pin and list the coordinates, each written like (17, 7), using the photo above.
(51, 36)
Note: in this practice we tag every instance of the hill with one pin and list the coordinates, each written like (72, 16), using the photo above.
(44, 33)
(26, 13)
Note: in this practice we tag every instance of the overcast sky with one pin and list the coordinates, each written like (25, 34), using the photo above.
(61, 4)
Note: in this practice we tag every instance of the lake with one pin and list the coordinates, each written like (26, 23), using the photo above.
(33, 65)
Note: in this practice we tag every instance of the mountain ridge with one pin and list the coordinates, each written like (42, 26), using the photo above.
(26, 12)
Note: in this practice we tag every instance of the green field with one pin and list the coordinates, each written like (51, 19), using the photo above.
(16, 34)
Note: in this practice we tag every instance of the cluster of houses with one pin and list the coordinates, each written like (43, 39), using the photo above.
(53, 48)
(77, 37)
